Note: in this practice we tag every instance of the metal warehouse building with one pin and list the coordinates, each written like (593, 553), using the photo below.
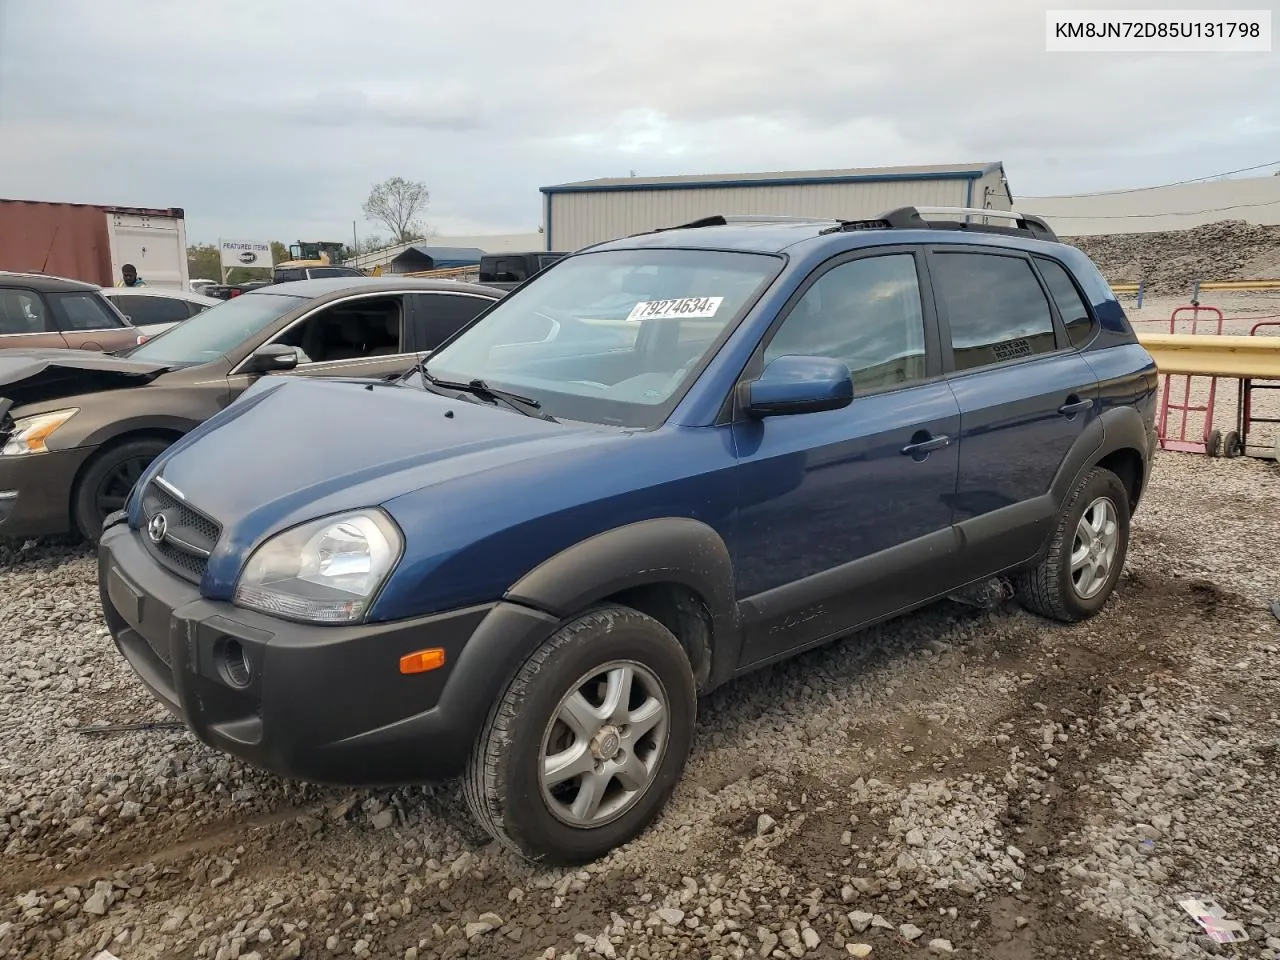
(578, 214)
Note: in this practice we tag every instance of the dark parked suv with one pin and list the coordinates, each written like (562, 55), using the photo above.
(663, 462)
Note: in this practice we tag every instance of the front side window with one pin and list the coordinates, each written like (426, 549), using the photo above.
(996, 308)
(609, 337)
(349, 330)
(210, 334)
(84, 311)
(21, 311)
(866, 313)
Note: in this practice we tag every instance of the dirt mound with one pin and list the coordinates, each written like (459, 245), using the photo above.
(1171, 260)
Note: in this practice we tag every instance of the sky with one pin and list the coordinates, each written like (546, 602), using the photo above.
(271, 119)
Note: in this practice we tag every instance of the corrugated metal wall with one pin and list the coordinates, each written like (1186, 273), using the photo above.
(574, 220)
(997, 194)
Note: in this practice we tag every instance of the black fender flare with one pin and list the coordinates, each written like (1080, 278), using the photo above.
(1119, 428)
(663, 550)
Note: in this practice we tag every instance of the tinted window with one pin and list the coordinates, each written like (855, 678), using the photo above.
(507, 270)
(1075, 315)
(866, 313)
(996, 308)
(439, 316)
(145, 311)
(84, 311)
(210, 334)
(289, 274)
(22, 311)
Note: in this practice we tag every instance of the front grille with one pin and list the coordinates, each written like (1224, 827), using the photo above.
(189, 536)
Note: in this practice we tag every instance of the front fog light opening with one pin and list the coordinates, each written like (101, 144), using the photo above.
(236, 669)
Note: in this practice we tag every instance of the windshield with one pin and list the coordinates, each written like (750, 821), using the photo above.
(211, 333)
(609, 337)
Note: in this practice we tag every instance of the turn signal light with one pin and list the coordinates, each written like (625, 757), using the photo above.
(420, 661)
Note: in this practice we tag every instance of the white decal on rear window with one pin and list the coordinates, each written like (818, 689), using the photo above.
(678, 308)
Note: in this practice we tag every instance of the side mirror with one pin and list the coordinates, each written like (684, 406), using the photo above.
(273, 356)
(800, 385)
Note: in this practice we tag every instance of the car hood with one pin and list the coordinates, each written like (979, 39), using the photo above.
(34, 375)
(299, 449)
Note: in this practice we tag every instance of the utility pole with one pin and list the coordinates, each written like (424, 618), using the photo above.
(355, 244)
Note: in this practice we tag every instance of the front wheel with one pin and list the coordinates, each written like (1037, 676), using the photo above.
(1086, 554)
(105, 484)
(589, 740)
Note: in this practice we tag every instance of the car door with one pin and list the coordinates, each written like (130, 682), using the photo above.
(25, 320)
(436, 315)
(356, 336)
(89, 322)
(1025, 397)
(845, 515)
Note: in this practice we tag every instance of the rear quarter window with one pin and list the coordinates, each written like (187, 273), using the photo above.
(1071, 306)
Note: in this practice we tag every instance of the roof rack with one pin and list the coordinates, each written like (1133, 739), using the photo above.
(909, 218)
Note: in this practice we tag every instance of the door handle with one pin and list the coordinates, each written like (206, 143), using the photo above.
(1072, 407)
(926, 446)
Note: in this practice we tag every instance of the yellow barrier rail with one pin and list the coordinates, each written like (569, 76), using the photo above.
(1239, 286)
(1237, 357)
(1125, 287)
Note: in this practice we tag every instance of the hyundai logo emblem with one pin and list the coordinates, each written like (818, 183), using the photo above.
(158, 528)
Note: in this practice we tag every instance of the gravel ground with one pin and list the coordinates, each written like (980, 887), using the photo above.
(961, 781)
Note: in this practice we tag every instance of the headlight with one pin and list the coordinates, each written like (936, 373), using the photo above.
(325, 571)
(30, 433)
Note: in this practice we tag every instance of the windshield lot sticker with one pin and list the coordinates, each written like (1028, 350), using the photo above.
(678, 308)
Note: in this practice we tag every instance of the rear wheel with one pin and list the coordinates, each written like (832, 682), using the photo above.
(1086, 554)
(589, 740)
(105, 484)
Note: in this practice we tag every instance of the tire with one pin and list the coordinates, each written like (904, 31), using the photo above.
(1051, 589)
(1231, 446)
(1213, 445)
(104, 478)
(503, 783)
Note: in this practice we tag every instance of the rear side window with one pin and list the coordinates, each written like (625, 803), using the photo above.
(290, 274)
(84, 311)
(22, 311)
(438, 316)
(996, 308)
(1075, 315)
(148, 311)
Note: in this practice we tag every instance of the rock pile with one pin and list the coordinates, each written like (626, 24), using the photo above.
(1170, 261)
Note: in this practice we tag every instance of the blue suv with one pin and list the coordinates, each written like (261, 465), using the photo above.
(661, 463)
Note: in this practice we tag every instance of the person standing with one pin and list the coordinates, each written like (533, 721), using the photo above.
(131, 278)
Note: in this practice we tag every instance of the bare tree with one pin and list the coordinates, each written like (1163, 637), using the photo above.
(396, 203)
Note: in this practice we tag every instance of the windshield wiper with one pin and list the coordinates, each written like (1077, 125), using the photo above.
(477, 387)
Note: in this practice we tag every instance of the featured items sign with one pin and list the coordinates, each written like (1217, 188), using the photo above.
(246, 253)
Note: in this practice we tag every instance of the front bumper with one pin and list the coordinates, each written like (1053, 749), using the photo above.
(319, 703)
(42, 483)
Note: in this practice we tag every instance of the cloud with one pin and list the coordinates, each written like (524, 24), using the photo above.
(274, 120)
